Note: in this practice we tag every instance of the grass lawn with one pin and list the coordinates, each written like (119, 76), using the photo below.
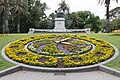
(4, 40)
(115, 40)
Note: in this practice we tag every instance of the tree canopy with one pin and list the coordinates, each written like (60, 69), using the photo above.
(20, 15)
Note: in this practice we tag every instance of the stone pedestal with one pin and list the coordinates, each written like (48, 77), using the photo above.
(59, 25)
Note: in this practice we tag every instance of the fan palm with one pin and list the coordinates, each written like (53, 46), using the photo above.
(107, 4)
(74, 20)
(64, 6)
(4, 14)
(18, 8)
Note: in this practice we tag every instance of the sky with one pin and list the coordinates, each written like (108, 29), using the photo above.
(81, 5)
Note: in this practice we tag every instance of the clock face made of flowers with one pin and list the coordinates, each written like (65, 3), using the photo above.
(61, 51)
(59, 47)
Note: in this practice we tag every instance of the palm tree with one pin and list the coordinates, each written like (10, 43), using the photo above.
(73, 17)
(64, 6)
(115, 12)
(18, 8)
(107, 4)
(4, 14)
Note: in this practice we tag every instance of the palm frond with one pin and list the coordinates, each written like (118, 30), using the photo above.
(106, 1)
(101, 1)
(114, 12)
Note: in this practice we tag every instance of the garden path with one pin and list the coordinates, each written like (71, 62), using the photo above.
(28, 75)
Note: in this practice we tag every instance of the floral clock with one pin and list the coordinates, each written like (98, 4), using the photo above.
(60, 51)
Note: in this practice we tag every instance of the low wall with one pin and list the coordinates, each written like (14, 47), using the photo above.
(32, 30)
(23, 68)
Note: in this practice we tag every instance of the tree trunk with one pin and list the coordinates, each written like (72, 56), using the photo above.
(6, 26)
(74, 24)
(107, 28)
(18, 26)
(5, 18)
(3, 25)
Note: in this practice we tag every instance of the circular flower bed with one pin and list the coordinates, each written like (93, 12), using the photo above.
(59, 51)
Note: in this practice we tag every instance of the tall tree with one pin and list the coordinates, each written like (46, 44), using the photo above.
(51, 20)
(38, 13)
(64, 6)
(44, 7)
(4, 14)
(19, 8)
(73, 18)
(107, 4)
(84, 19)
(39, 9)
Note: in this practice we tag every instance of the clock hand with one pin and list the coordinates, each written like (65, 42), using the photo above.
(66, 39)
(63, 40)
(66, 43)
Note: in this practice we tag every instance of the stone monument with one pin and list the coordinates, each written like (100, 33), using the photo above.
(59, 25)
(59, 21)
